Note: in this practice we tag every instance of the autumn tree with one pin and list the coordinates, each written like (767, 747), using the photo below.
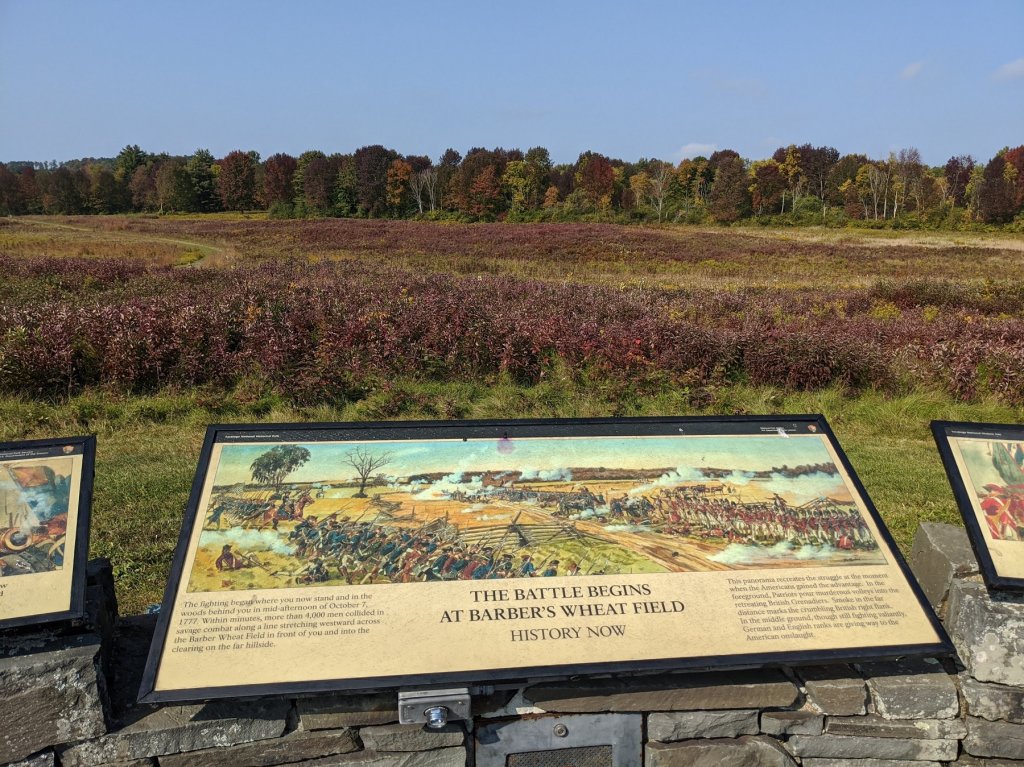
(371, 167)
(843, 177)
(398, 176)
(639, 188)
(595, 178)
(464, 187)
(1015, 173)
(278, 178)
(957, 172)
(484, 194)
(447, 170)
(816, 163)
(31, 194)
(236, 180)
(143, 187)
(12, 202)
(319, 177)
(729, 199)
(695, 177)
(365, 462)
(768, 186)
(104, 192)
(563, 178)
(997, 191)
(789, 159)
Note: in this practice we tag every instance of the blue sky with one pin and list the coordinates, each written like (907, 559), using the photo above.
(661, 79)
(750, 453)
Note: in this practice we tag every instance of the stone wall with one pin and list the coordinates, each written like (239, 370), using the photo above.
(68, 698)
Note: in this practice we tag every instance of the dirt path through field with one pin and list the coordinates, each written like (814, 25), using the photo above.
(210, 255)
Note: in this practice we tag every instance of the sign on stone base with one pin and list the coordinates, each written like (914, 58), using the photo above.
(366, 556)
(45, 498)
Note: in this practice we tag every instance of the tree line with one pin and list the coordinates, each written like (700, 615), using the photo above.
(797, 184)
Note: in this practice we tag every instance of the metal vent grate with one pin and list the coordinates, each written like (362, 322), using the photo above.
(584, 756)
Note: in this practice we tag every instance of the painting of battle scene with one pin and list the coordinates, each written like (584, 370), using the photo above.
(401, 512)
(33, 515)
(996, 477)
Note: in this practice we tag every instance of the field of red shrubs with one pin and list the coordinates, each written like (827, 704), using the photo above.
(322, 329)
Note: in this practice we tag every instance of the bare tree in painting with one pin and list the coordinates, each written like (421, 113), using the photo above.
(365, 463)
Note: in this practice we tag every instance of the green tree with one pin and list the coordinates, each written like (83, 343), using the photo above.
(273, 466)
(517, 184)
(174, 191)
(202, 169)
(104, 193)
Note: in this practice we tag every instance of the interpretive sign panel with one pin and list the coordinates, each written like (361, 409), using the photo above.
(985, 464)
(45, 496)
(360, 556)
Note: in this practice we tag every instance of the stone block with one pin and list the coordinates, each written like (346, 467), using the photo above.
(748, 751)
(132, 639)
(687, 725)
(836, 690)
(988, 631)
(792, 723)
(998, 739)
(160, 730)
(101, 608)
(860, 747)
(54, 692)
(811, 762)
(411, 737)
(44, 759)
(331, 712)
(912, 688)
(442, 757)
(667, 692)
(940, 554)
(877, 727)
(297, 746)
(992, 701)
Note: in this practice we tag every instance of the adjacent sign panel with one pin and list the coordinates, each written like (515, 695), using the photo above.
(45, 496)
(985, 464)
(362, 556)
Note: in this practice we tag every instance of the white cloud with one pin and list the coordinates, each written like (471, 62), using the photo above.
(695, 149)
(1011, 70)
(910, 71)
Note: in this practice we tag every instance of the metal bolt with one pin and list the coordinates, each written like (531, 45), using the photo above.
(561, 730)
(437, 717)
